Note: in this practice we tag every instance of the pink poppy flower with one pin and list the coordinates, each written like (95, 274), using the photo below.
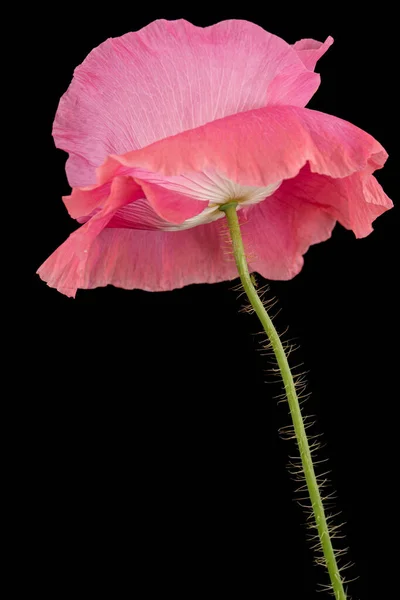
(165, 124)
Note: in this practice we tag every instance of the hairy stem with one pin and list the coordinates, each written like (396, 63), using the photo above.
(295, 410)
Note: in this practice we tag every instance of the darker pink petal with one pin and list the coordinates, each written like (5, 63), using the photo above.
(259, 147)
(280, 230)
(303, 212)
(78, 246)
(148, 260)
(276, 233)
(310, 51)
(355, 201)
(83, 201)
(169, 77)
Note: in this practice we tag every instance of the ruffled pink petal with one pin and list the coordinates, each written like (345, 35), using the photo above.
(355, 201)
(302, 212)
(147, 260)
(84, 201)
(169, 77)
(280, 230)
(78, 247)
(310, 51)
(276, 233)
(259, 148)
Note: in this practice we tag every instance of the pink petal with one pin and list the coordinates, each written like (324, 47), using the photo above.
(355, 201)
(83, 201)
(78, 246)
(169, 77)
(302, 212)
(259, 147)
(280, 230)
(276, 233)
(310, 51)
(148, 260)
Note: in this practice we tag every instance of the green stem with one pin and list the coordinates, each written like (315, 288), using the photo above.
(295, 411)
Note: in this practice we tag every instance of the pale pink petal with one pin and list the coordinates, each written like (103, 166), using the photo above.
(259, 148)
(148, 260)
(310, 51)
(169, 77)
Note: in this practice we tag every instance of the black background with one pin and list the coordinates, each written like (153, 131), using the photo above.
(152, 462)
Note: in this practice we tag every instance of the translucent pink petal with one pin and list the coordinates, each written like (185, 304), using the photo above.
(259, 147)
(310, 51)
(138, 215)
(148, 260)
(169, 77)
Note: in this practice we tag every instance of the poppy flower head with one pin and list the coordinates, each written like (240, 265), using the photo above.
(165, 124)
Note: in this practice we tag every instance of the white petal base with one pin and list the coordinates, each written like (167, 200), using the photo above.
(213, 188)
